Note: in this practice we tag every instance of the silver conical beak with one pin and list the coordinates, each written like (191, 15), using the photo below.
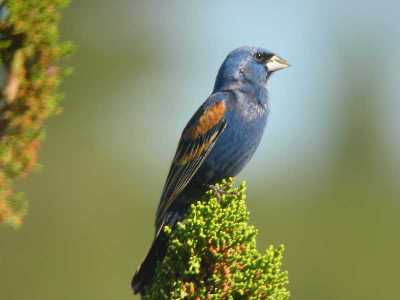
(276, 63)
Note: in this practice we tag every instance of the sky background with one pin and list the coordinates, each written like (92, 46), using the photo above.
(324, 181)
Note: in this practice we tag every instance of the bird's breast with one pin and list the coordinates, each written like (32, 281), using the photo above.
(251, 111)
(236, 145)
(246, 126)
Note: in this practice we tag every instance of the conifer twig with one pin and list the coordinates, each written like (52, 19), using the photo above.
(212, 254)
(30, 51)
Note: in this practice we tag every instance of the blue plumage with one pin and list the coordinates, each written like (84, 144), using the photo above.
(218, 141)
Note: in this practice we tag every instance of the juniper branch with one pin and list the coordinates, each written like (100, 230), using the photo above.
(212, 254)
(30, 51)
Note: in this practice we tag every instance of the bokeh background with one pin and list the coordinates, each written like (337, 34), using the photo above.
(324, 182)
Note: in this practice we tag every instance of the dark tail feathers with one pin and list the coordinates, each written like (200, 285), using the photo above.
(145, 273)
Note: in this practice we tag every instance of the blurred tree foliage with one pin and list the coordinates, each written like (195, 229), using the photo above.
(212, 254)
(30, 51)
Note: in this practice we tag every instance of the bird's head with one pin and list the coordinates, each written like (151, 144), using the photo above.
(246, 64)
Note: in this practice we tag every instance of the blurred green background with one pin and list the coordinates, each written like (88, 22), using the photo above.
(324, 181)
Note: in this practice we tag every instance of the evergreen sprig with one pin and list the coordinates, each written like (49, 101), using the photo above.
(30, 52)
(212, 254)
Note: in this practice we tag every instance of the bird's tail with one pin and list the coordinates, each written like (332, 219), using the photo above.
(145, 272)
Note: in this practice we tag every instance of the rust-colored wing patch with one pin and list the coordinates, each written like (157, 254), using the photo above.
(198, 150)
(208, 120)
(197, 141)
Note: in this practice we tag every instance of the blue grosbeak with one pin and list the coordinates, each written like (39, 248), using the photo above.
(218, 142)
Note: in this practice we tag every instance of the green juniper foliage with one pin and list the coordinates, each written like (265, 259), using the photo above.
(30, 74)
(212, 254)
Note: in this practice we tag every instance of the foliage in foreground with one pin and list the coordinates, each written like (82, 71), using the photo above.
(212, 254)
(30, 51)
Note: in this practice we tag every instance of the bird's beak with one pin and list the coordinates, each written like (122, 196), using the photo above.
(276, 63)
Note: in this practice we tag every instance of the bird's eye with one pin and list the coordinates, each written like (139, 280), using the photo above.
(259, 56)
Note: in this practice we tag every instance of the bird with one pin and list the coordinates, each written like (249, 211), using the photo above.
(217, 142)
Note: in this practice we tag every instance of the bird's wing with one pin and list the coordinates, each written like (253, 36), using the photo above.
(197, 140)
